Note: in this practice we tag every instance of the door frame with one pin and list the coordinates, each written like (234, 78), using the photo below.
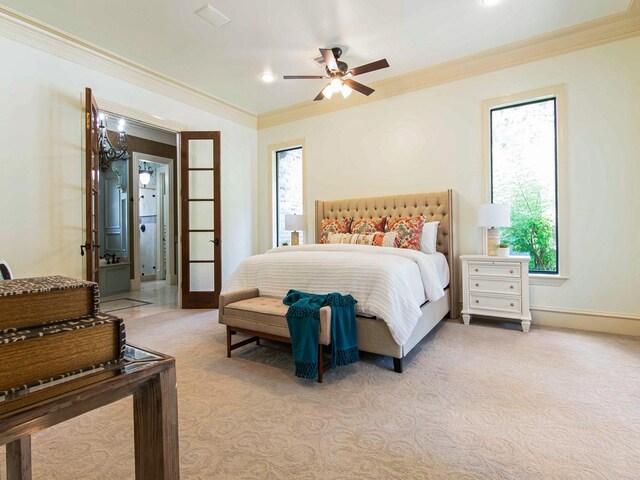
(172, 278)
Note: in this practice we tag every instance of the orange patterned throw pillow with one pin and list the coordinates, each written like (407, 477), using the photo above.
(368, 225)
(409, 231)
(328, 226)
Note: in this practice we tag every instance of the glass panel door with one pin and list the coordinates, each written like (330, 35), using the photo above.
(91, 247)
(200, 232)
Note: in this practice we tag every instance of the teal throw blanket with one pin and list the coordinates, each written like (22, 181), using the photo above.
(303, 318)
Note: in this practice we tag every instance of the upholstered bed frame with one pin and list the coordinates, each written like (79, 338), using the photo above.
(373, 334)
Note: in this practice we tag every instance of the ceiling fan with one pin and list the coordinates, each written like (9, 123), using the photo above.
(340, 75)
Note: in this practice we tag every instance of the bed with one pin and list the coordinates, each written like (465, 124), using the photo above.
(304, 268)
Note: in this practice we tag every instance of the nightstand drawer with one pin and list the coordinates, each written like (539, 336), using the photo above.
(494, 269)
(504, 304)
(491, 285)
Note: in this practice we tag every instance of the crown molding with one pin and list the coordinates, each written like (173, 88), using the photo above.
(596, 32)
(29, 31)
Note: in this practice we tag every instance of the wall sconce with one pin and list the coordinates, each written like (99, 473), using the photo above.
(145, 172)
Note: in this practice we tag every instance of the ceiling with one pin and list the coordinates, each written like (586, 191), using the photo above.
(282, 36)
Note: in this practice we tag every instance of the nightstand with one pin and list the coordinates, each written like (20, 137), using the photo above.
(496, 287)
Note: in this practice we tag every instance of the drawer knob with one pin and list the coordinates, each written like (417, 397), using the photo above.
(477, 284)
(477, 301)
(476, 269)
(512, 304)
(511, 287)
(510, 271)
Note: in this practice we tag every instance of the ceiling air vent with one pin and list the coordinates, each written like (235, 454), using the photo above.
(213, 16)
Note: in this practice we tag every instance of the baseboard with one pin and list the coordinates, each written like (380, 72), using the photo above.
(592, 321)
(605, 322)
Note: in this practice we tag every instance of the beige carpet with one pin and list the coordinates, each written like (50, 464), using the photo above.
(474, 402)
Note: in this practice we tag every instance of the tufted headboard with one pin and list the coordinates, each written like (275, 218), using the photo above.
(435, 206)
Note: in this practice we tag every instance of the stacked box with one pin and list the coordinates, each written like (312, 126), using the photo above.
(50, 328)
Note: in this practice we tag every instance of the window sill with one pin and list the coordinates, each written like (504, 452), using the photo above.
(544, 279)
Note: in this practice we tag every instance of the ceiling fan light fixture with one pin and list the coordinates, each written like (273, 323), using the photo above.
(346, 91)
(336, 85)
(328, 92)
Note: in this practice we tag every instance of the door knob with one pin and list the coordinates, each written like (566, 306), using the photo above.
(215, 241)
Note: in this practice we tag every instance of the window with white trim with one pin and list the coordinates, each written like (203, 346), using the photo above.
(524, 174)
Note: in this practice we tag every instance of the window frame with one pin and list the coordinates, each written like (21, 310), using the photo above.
(273, 184)
(557, 92)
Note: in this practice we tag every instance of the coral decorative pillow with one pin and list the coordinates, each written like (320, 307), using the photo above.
(368, 225)
(328, 227)
(409, 231)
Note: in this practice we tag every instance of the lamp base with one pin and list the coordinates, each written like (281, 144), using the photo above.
(295, 238)
(493, 240)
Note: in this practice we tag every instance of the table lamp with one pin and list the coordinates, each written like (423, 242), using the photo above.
(293, 223)
(491, 215)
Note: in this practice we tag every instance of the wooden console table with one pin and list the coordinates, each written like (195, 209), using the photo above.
(149, 376)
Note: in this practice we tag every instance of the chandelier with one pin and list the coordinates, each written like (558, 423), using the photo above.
(109, 153)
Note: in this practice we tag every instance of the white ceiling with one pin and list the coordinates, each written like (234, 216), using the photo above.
(283, 35)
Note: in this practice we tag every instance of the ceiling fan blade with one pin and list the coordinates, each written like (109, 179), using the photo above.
(303, 77)
(370, 67)
(320, 96)
(358, 87)
(329, 59)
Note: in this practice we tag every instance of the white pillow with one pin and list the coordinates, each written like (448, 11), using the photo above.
(429, 238)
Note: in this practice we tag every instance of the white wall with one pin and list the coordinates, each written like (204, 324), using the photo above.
(41, 158)
(430, 140)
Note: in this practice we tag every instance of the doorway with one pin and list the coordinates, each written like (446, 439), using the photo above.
(128, 203)
(154, 213)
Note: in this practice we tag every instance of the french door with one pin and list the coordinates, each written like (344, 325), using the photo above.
(91, 247)
(201, 266)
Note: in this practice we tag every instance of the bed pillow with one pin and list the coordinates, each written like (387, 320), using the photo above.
(368, 225)
(328, 226)
(409, 231)
(429, 239)
(377, 239)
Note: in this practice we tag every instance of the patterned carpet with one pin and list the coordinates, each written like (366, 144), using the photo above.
(475, 402)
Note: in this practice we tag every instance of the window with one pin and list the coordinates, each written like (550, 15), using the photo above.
(524, 174)
(289, 190)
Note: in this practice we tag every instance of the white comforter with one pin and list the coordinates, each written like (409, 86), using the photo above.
(389, 283)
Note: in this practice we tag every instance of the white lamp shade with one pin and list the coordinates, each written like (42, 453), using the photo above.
(293, 223)
(494, 215)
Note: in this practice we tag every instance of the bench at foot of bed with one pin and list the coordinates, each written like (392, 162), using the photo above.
(246, 312)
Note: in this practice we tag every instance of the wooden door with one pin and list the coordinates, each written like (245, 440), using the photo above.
(201, 268)
(91, 247)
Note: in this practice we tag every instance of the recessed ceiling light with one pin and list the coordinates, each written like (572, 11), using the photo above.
(212, 15)
(490, 3)
(267, 77)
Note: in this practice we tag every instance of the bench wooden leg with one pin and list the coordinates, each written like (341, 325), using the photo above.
(320, 363)
(241, 343)
(397, 365)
